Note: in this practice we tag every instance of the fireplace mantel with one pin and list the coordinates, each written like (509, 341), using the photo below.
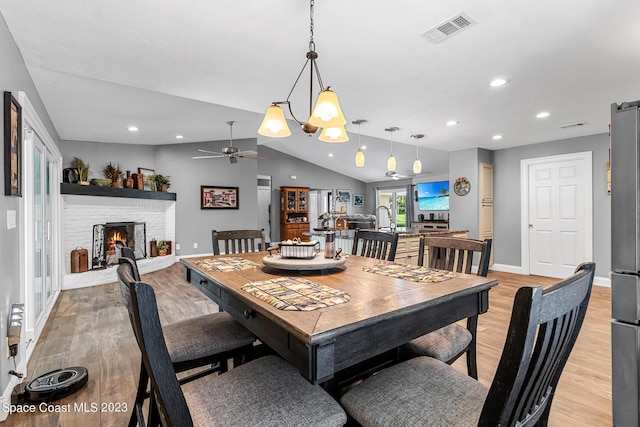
(96, 190)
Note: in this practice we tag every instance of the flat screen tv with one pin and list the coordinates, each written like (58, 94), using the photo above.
(433, 196)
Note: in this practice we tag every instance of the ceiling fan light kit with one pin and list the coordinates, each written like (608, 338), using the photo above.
(327, 113)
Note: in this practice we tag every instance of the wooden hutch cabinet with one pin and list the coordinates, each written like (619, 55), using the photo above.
(294, 213)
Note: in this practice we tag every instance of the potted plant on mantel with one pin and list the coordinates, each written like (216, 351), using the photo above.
(162, 247)
(83, 170)
(162, 182)
(114, 173)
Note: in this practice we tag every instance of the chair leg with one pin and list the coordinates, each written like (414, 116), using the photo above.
(141, 395)
(472, 365)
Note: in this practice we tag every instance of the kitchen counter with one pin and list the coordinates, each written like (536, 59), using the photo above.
(408, 241)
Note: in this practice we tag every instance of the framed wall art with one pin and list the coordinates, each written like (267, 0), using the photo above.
(12, 146)
(148, 180)
(216, 197)
(344, 196)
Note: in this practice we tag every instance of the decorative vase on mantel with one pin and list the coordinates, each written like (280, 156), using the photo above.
(128, 181)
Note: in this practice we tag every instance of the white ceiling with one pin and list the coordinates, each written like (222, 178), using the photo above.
(173, 68)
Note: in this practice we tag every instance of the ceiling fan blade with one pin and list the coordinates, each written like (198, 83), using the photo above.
(247, 153)
(253, 157)
(207, 151)
(207, 157)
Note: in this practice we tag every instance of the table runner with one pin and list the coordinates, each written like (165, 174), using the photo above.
(411, 272)
(225, 264)
(296, 294)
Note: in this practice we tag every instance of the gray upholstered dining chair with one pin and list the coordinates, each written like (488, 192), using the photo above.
(237, 241)
(375, 244)
(452, 341)
(423, 391)
(266, 391)
(208, 340)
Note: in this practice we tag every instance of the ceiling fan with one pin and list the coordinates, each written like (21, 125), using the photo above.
(395, 175)
(231, 152)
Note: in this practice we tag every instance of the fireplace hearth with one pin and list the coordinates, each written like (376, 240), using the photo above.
(105, 236)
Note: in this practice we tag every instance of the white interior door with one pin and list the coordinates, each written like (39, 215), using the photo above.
(559, 215)
(313, 208)
(264, 205)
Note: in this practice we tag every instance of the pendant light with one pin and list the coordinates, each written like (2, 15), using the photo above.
(417, 164)
(391, 161)
(359, 154)
(327, 113)
(334, 135)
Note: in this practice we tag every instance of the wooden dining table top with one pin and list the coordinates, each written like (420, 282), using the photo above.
(374, 297)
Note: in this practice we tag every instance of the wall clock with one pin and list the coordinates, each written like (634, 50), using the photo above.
(462, 186)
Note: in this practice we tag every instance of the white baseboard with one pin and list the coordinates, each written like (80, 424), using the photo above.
(516, 269)
(506, 268)
(5, 400)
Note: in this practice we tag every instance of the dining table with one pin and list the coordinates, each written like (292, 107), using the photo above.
(372, 311)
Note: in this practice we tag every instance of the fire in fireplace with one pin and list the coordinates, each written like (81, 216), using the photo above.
(105, 236)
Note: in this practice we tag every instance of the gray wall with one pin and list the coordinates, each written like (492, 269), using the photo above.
(13, 77)
(193, 225)
(506, 185)
(464, 211)
(281, 166)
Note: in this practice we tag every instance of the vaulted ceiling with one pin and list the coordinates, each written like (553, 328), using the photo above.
(175, 68)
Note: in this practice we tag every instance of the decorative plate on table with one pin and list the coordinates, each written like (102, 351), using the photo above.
(462, 186)
(319, 262)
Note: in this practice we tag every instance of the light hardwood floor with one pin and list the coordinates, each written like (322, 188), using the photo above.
(89, 327)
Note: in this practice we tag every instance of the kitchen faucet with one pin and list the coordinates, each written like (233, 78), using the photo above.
(378, 215)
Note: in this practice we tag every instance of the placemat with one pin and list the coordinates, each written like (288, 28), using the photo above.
(411, 272)
(226, 264)
(296, 294)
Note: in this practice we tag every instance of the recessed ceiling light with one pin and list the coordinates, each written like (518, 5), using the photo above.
(452, 122)
(179, 136)
(543, 114)
(132, 128)
(498, 82)
(330, 154)
(496, 137)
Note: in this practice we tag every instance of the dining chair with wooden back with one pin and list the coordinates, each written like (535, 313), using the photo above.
(424, 391)
(209, 340)
(452, 341)
(375, 244)
(237, 241)
(266, 391)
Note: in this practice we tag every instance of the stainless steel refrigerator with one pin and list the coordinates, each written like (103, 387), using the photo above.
(625, 262)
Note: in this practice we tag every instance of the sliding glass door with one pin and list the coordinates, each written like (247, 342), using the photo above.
(395, 200)
(41, 195)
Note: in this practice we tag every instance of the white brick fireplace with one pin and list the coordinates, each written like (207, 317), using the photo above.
(81, 212)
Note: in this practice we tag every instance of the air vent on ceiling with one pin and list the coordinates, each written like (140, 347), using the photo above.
(449, 28)
(573, 125)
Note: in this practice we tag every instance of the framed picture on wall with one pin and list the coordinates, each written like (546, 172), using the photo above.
(148, 178)
(344, 196)
(358, 200)
(216, 197)
(12, 146)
